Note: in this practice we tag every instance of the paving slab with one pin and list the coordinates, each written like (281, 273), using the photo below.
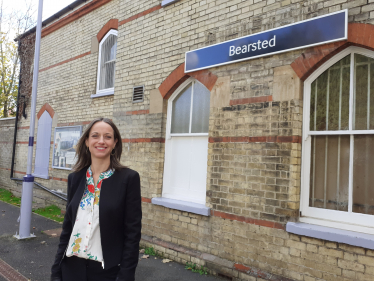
(33, 257)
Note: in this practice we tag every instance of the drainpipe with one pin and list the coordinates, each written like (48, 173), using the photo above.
(17, 112)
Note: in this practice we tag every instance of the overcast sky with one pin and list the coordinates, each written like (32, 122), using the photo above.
(50, 7)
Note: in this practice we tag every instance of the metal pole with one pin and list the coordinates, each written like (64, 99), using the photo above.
(28, 180)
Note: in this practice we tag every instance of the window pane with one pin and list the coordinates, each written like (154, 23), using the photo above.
(363, 175)
(107, 62)
(200, 109)
(180, 118)
(321, 102)
(334, 97)
(371, 107)
(329, 104)
(313, 95)
(363, 95)
(329, 172)
(346, 80)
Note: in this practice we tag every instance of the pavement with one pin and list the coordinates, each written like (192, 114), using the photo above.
(31, 259)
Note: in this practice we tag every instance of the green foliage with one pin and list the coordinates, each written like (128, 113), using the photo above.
(8, 197)
(9, 71)
(12, 24)
(150, 251)
(195, 268)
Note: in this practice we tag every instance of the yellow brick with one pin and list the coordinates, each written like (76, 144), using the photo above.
(366, 260)
(351, 265)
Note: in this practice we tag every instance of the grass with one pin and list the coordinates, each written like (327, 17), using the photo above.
(52, 212)
(195, 268)
(8, 197)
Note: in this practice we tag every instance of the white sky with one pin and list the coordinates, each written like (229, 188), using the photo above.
(50, 7)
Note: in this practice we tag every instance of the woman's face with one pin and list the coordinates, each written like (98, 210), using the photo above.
(101, 140)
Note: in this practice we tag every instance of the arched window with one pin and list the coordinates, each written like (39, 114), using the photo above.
(107, 64)
(338, 143)
(186, 145)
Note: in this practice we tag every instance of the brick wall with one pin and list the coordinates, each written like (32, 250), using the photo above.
(6, 148)
(254, 157)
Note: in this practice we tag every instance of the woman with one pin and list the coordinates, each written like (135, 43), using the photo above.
(102, 226)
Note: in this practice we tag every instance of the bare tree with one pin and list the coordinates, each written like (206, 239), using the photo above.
(12, 24)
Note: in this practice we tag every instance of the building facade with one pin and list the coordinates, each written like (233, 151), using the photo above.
(258, 170)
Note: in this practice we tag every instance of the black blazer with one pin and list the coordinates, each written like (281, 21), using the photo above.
(120, 217)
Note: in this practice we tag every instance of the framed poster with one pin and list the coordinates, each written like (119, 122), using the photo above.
(64, 146)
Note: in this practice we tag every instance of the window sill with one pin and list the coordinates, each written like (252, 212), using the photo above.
(332, 234)
(185, 206)
(165, 3)
(98, 95)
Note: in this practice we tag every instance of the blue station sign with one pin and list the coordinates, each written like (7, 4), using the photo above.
(316, 31)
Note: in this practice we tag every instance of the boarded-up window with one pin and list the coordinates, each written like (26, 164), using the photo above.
(43, 145)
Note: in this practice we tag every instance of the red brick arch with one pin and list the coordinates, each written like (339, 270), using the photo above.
(177, 77)
(48, 108)
(111, 24)
(359, 34)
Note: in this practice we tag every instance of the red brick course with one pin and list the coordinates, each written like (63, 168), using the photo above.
(111, 24)
(146, 200)
(73, 123)
(223, 215)
(87, 8)
(233, 217)
(136, 112)
(251, 100)
(146, 12)
(139, 140)
(359, 34)
(65, 61)
(177, 77)
(49, 110)
(59, 179)
(279, 139)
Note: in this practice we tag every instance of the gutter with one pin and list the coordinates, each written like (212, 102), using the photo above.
(52, 18)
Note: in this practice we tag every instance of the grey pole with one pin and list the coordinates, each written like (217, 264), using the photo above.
(28, 180)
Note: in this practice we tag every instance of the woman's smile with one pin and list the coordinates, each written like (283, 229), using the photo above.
(101, 140)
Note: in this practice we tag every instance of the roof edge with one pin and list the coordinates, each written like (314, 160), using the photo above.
(52, 18)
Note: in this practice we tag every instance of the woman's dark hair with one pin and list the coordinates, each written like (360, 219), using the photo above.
(84, 155)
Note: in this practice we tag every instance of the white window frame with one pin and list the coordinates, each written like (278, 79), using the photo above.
(169, 134)
(319, 216)
(108, 91)
(170, 108)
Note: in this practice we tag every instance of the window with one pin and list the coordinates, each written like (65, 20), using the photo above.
(338, 143)
(186, 145)
(43, 145)
(107, 64)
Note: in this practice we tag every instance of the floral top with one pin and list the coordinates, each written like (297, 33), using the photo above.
(85, 240)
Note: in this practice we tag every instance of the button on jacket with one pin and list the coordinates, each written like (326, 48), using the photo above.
(119, 217)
